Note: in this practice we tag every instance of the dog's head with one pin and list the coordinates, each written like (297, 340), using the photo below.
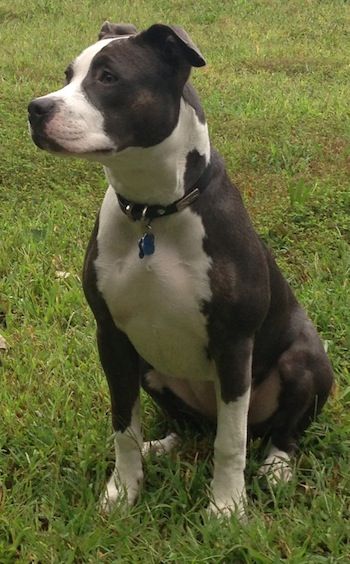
(122, 91)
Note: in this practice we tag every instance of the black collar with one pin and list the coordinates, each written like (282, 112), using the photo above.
(136, 212)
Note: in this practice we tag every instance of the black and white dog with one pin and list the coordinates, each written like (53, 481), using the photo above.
(188, 301)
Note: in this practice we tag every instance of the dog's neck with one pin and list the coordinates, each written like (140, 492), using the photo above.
(156, 175)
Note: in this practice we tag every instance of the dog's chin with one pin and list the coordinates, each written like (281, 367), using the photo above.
(52, 146)
(46, 144)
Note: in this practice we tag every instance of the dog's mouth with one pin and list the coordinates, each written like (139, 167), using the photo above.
(44, 142)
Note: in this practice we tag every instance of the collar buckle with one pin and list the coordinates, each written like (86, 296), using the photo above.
(187, 200)
(144, 212)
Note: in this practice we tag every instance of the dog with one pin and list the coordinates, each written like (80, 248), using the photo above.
(188, 301)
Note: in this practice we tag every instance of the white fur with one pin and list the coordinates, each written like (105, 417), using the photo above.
(228, 488)
(157, 301)
(126, 480)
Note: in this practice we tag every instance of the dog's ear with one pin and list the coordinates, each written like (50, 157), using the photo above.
(173, 43)
(114, 30)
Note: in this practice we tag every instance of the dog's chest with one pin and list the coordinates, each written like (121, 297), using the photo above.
(157, 301)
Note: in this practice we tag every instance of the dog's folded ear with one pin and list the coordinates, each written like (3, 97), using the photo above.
(173, 42)
(114, 30)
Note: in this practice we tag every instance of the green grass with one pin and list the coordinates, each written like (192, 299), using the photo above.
(276, 94)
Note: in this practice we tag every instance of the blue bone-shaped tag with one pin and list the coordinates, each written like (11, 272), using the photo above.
(146, 245)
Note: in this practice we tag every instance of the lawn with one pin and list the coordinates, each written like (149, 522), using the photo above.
(276, 94)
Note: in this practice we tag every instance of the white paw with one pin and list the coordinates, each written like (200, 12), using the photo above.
(276, 467)
(118, 493)
(161, 446)
(229, 506)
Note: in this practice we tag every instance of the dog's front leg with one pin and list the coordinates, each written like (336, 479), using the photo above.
(121, 365)
(232, 394)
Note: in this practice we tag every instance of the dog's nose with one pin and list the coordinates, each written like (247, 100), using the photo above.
(40, 108)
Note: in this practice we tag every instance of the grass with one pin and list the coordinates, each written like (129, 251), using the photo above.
(276, 96)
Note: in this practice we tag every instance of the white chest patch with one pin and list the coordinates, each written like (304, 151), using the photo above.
(157, 300)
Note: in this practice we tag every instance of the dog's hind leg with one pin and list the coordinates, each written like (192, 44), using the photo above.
(306, 380)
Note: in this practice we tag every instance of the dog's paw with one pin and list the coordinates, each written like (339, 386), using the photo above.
(276, 467)
(117, 493)
(228, 507)
(161, 446)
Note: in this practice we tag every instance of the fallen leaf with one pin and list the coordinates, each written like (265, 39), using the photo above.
(3, 344)
(62, 274)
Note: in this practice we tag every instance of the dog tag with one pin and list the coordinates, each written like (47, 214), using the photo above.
(146, 245)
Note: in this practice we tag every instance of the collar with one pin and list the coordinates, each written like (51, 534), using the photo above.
(137, 212)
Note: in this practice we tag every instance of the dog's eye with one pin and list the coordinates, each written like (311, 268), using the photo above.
(107, 77)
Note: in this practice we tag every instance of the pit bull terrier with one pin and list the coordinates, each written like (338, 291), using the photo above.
(189, 303)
